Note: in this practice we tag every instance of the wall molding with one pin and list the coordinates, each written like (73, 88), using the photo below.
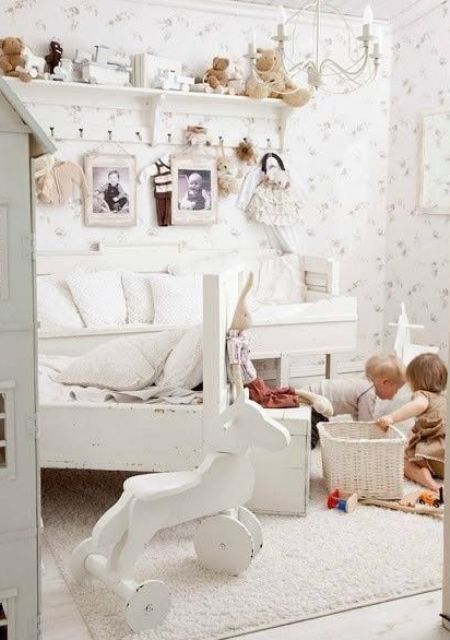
(415, 13)
(251, 10)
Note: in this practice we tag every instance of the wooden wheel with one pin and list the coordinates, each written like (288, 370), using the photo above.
(252, 523)
(224, 544)
(148, 606)
(79, 555)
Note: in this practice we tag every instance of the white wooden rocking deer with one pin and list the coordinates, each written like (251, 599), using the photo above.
(230, 536)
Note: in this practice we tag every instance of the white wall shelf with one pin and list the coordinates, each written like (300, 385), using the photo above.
(149, 103)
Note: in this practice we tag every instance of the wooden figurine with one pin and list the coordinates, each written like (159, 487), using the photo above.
(225, 541)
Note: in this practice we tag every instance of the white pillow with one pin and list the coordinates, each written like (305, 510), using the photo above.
(281, 280)
(125, 364)
(178, 300)
(139, 297)
(215, 264)
(184, 366)
(55, 305)
(99, 297)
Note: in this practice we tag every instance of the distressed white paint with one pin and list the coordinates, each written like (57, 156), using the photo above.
(221, 485)
(19, 135)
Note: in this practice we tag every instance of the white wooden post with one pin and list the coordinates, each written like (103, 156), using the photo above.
(20, 139)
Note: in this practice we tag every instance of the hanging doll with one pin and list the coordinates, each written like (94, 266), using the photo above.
(273, 201)
(161, 173)
(242, 373)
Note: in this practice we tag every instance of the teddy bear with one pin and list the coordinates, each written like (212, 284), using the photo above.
(217, 76)
(271, 81)
(228, 174)
(12, 58)
(53, 58)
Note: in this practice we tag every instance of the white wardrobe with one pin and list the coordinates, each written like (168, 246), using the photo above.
(21, 139)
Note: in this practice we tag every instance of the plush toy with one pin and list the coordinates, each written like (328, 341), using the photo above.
(12, 59)
(217, 76)
(197, 135)
(53, 58)
(246, 152)
(228, 174)
(34, 65)
(271, 81)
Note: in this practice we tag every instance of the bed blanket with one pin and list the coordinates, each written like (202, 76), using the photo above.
(52, 391)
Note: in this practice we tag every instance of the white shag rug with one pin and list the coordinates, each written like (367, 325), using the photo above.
(326, 562)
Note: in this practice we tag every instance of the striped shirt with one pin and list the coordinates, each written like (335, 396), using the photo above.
(161, 173)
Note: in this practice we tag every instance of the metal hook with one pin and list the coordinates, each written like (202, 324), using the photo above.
(52, 132)
(109, 135)
(244, 139)
(169, 138)
(139, 136)
(221, 139)
(80, 131)
(269, 143)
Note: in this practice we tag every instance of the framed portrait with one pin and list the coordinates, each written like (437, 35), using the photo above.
(194, 183)
(111, 182)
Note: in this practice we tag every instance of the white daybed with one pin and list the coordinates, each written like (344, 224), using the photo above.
(166, 437)
(146, 437)
(326, 323)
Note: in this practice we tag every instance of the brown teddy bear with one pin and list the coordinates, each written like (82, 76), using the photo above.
(217, 76)
(12, 59)
(271, 81)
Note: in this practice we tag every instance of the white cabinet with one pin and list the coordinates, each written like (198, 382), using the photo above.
(282, 479)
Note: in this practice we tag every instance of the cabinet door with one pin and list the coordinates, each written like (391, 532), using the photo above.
(18, 465)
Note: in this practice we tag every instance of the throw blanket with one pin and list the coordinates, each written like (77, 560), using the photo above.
(51, 391)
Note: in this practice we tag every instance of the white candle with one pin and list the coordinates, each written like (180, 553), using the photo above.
(368, 15)
(281, 22)
(367, 21)
(252, 45)
(378, 45)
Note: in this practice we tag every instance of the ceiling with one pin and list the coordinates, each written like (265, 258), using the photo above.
(383, 9)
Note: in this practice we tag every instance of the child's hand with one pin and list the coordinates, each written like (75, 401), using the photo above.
(116, 199)
(385, 422)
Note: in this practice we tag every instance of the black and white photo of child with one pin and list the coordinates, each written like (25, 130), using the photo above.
(110, 190)
(194, 189)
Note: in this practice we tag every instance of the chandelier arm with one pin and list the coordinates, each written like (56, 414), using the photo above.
(328, 62)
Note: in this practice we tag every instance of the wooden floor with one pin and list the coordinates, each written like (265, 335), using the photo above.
(415, 618)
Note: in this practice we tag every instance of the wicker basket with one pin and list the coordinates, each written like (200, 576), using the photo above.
(358, 456)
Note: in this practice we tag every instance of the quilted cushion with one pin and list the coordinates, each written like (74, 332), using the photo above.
(125, 364)
(55, 305)
(99, 297)
(139, 297)
(184, 366)
(178, 300)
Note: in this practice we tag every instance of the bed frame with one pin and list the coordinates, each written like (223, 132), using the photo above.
(156, 437)
(328, 325)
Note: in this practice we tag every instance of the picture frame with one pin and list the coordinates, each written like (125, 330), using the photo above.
(194, 195)
(111, 185)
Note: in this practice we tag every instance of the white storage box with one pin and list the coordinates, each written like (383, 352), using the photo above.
(282, 478)
(359, 457)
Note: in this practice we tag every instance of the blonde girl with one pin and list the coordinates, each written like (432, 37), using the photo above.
(425, 451)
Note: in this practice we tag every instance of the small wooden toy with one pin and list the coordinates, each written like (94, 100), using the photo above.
(343, 501)
(422, 502)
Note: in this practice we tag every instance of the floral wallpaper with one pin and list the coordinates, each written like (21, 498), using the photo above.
(417, 252)
(338, 144)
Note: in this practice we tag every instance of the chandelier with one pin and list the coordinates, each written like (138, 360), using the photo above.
(363, 56)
